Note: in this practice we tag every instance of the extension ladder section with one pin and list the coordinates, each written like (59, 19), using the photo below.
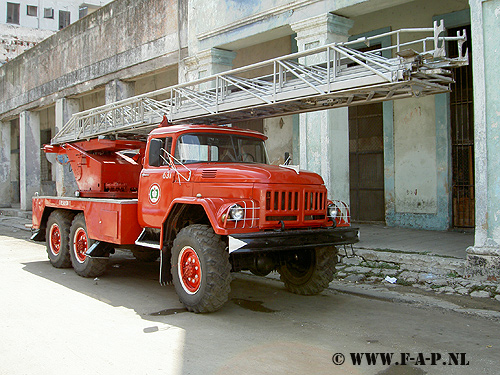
(329, 76)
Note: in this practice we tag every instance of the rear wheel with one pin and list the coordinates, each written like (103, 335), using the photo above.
(57, 237)
(79, 244)
(200, 269)
(310, 271)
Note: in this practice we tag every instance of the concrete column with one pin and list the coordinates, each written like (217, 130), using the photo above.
(118, 90)
(5, 149)
(484, 257)
(204, 64)
(65, 180)
(324, 135)
(29, 157)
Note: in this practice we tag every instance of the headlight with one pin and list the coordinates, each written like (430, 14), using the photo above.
(236, 212)
(332, 211)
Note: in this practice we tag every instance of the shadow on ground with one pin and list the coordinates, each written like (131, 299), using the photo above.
(134, 285)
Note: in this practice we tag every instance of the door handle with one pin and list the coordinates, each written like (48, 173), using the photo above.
(144, 174)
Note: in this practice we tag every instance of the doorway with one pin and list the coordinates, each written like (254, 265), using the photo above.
(462, 139)
(366, 163)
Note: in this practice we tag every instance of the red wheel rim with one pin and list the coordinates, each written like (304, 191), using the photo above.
(80, 244)
(55, 239)
(189, 270)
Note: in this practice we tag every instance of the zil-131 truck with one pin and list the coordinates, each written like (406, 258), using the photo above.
(202, 198)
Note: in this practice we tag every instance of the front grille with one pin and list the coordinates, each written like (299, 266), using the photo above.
(282, 200)
(297, 205)
(314, 201)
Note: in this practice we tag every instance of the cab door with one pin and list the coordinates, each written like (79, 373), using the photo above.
(155, 185)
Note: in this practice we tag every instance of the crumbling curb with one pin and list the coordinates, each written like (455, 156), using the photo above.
(428, 272)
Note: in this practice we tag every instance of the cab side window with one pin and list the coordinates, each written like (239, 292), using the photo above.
(166, 150)
(159, 151)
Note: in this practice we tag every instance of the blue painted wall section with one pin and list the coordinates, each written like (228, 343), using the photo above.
(442, 219)
(491, 14)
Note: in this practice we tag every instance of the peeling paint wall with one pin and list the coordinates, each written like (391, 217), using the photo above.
(280, 133)
(156, 81)
(261, 52)
(415, 155)
(94, 99)
(412, 14)
(417, 188)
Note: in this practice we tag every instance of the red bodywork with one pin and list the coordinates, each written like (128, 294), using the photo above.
(101, 170)
(108, 220)
(272, 197)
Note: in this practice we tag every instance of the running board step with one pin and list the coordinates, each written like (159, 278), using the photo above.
(147, 239)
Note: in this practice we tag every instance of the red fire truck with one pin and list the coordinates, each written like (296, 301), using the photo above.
(205, 200)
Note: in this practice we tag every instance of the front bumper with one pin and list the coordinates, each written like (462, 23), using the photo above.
(292, 239)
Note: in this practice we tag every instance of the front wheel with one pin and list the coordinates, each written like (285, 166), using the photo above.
(79, 244)
(200, 269)
(308, 272)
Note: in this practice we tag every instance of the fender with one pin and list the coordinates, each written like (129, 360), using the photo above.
(210, 205)
(172, 215)
(213, 208)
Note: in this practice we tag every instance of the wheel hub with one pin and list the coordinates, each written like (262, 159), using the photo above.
(55, 239)
(189, 270)
(80, 245)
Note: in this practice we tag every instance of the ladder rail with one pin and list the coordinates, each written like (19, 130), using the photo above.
(338, 68)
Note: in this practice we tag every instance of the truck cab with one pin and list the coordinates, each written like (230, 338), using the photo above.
(268, 217)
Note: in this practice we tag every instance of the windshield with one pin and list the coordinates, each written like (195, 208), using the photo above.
(208, 147)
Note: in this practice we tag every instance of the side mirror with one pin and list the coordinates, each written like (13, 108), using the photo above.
(154, 152)
(288, 159)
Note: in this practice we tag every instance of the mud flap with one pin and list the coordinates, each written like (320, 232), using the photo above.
(98, 249)
(38, 235)
(165, 266)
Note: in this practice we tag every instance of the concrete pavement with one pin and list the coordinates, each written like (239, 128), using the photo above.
(55, 322)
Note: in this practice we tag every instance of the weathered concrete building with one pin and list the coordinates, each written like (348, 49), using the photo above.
(24, 23)
(423, 162)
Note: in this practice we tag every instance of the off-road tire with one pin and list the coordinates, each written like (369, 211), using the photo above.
(311, 272)
(146, 256)
(57, 238)
(211, 292)
(83, 265)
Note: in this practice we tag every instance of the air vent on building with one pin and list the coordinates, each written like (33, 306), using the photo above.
(48, 13)
(32, 10)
